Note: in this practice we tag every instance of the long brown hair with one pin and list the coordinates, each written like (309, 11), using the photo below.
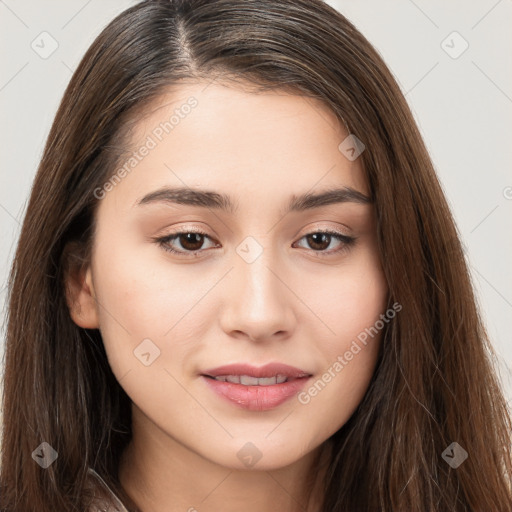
(434, 383)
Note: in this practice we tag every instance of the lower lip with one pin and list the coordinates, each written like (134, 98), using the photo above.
(256, 398)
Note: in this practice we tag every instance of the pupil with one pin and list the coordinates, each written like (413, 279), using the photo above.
(189, 240)
(319, 237)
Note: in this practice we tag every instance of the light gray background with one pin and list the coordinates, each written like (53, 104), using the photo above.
(463, 107)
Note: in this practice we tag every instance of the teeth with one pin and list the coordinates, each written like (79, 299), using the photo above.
(252, 381)
(247, 380)
(267, 381)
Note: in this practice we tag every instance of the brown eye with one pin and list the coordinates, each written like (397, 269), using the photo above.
(191, 241)
(319, 241)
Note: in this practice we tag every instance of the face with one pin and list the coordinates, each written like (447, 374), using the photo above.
(275, 292)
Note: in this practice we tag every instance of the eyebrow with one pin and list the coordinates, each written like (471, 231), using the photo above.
(220, 201)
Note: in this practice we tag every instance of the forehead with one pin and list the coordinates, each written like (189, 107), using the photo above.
(217, 136)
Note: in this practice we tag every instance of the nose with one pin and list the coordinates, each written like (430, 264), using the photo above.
(258, 303)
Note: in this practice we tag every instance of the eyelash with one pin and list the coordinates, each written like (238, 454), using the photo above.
(347, 242)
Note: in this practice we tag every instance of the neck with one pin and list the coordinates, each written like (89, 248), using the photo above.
(161, 475)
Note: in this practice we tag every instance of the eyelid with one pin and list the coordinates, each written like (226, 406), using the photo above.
(316, 228)
(346, 240)
(163, 241)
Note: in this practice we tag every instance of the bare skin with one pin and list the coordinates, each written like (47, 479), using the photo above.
(290, 304)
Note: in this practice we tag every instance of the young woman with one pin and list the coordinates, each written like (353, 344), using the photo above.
(239, 285)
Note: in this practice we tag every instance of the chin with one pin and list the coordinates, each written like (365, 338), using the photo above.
(255, 453)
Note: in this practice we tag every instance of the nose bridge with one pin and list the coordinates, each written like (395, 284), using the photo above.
(257, 282)
(259, 304)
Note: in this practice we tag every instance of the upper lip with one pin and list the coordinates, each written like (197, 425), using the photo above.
(268, 370)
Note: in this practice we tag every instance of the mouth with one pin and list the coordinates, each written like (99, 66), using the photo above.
(256, 388)
(248, 380)
(249, 373)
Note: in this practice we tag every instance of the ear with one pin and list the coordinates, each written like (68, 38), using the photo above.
(80, 296)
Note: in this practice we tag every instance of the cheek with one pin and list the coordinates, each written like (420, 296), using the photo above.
(139, 301)
(351, 306)
(350, 298)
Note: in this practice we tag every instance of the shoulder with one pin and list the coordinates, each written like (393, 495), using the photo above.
(104, 499)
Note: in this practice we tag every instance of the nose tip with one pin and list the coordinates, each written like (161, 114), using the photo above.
(259, 305)
(253, 335)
